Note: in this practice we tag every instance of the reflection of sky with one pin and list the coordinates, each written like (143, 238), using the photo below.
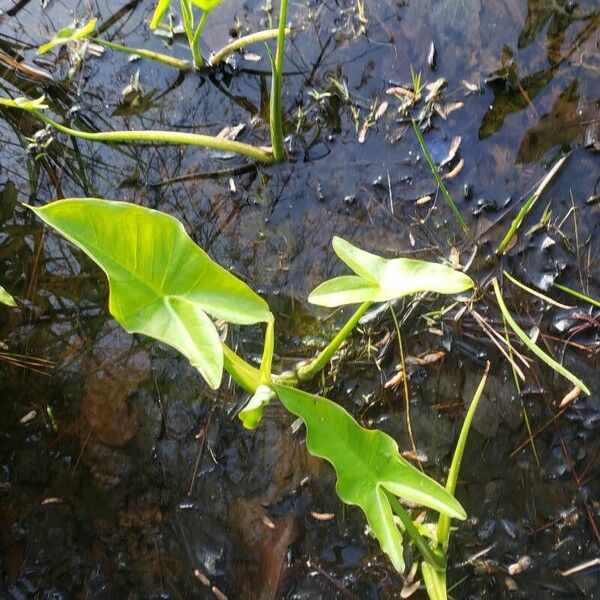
(277, 218)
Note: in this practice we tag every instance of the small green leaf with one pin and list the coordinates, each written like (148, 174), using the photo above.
(159, 13)
(381, 279)
(68, 34)
(25, 103)
(161, 283)
(6, 298)
(368, 465)
(252, 413)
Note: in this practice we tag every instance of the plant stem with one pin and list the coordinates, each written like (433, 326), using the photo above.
(267, 357)
(306, 372)
(182, 65)
(162, 137)
(195, 43)
(435, 560)
(246, 40)
(243, 373)
(276, 116)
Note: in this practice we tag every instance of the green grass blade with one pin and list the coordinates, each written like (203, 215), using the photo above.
(439, 181)
(577, 294)
(443, 527)
(514, 226)
(534, 292)
(533, 346)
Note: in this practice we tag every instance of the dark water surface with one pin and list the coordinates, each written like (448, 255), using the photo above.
(121, 474)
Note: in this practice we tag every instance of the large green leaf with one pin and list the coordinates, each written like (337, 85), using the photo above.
(368, 464)
(6, 298)
(380, 279)
(69, 34)
(161, 283)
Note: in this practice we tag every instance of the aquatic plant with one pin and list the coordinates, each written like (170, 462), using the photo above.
(38, 105)
(164, 286)
(74, 33)
(193, 32)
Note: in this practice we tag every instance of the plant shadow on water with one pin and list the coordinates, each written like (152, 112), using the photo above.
(123, 475)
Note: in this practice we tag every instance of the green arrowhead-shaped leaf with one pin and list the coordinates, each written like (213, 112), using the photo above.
(68, 34)
(207, 5)
(367, 464)
(380, 279)
(161, 283)
(6, 298)
(163, 6)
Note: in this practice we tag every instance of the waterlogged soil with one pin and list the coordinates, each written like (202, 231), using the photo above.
(123, 476)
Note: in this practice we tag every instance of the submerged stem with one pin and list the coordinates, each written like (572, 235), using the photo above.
(182, 65)
(163, 137)
(246, 40)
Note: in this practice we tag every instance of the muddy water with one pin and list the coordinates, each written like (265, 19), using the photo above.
(121, 475)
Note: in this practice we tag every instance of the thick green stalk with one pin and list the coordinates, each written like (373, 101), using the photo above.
(246, 40)
(162, 137)
(243, 373)
(276, 116)
(182, 65)
(306, 372)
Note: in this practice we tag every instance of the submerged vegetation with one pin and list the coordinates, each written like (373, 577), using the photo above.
(164, 285)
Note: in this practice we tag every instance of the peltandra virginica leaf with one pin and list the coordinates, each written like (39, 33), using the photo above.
(368, 464)
(161, 283)
(6, 298)
(163, 5)
(380, 279)
(69, 34)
